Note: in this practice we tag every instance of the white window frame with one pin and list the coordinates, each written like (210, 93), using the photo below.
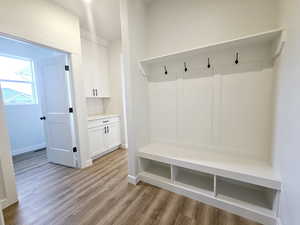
(33, 82)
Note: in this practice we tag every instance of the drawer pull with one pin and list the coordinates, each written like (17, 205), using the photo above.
(105, 121)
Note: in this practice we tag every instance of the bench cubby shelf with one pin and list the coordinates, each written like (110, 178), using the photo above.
(156, 168)
(249, 195)
(241, 186)
(195, 180)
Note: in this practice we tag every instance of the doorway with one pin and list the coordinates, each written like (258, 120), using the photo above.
(36, 90)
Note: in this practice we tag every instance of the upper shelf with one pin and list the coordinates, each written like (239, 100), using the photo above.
(275, 37)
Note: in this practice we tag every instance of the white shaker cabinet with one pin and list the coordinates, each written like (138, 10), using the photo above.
(95, 69)
(113, 135)
(96, 140)
(104, 136)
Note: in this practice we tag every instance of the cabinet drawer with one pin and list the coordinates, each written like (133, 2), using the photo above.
(102, 122)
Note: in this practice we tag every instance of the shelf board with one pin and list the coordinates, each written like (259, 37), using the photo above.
(247, 197)
(259, 38)
(215, 163)
(195, 181)
(156, 169)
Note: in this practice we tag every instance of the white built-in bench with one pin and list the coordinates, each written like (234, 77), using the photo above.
(246, 187)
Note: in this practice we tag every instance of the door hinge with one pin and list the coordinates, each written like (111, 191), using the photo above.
(71, 110)
(67, 68)
(74, 149)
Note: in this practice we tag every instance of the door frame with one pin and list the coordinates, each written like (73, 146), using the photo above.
(80, 126)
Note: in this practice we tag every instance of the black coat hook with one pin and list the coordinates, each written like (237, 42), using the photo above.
(208, 63)
(237, 58)
(185, 68)
(166, 71)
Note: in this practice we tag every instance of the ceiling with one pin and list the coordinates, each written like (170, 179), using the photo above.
(99, 16)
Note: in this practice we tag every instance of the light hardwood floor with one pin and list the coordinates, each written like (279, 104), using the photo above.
(29, 160)
(100, 195)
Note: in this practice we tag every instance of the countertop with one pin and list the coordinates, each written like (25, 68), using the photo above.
(102, 116)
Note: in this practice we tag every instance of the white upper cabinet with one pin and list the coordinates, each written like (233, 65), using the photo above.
(95, 69)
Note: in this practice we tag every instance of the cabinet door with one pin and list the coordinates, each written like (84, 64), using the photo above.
(97, 141)
(113, 136)
(95, 69)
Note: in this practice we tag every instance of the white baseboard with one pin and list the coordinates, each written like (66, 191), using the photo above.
(90, 161)
(105, 152)
(87, 163)
(1, 217)
(28, 149)
(124, 146)
(3, 203)
(133, 180)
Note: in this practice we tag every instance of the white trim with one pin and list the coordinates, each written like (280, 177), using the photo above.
(1, 214)
(90, 161)
(133, 180)
(106, 152)
(2, 203)
(28, 149)
(87, 163)
(124, 146)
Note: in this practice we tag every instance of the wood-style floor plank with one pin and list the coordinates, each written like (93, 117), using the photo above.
(100, 195)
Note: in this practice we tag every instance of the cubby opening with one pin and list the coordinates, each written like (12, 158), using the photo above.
(194, 179)
(249, 195)
(156, 168)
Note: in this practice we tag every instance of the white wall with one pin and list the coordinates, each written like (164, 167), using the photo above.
(47, 24)
(95, 106)
(133, 21)
(25, 128)
(114, 105)
(40, 22)
(174, 25)
(287, 140)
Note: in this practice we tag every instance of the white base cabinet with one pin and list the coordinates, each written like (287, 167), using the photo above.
(104, 136)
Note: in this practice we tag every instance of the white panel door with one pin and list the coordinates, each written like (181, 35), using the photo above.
(59, 123)
(96, 140)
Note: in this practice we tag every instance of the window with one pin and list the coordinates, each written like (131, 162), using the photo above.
(17, 81)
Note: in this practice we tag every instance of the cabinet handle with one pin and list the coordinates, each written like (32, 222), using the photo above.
(96, 92)
(104, 130)
(107, 129)
(93, 92)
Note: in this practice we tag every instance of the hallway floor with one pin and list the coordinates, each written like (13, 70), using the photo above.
(100, 195)
(29, 160)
